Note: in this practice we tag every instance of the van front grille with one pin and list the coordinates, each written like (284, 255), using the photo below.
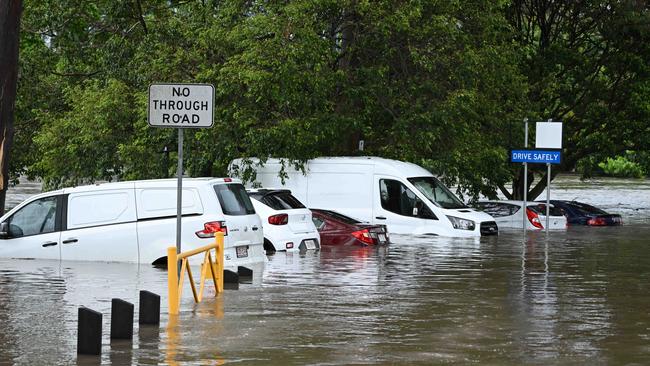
(489, 228)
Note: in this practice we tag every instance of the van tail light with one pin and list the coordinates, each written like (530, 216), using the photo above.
(280, 219)
(227, 180)
(209, 228)
(596, 221)
(363, 236)
(534, 218)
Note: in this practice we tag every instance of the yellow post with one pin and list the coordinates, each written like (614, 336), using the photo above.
(172, 280)
(218, 236)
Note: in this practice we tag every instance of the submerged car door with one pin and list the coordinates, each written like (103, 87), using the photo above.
(399, 208)
(100, 226)
(33, 231)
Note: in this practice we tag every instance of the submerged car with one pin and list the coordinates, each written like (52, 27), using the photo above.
(286, 221)
(510, 214)
(338, 229)
(578, 213)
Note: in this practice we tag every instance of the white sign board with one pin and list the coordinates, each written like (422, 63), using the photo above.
(548, 135)
(181, 105)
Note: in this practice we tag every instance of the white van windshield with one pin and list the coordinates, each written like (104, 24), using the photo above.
(436, 192)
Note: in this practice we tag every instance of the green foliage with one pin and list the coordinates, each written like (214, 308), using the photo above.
(444, 84)
(621, 167)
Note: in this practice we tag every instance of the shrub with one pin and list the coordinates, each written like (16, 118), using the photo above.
(621, 167)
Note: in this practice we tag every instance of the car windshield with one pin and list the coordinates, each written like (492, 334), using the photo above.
(338, 216)
(234, 200)
(497, 209)
(587, 209)
(436, 192)
(281, 200)
(540, 209)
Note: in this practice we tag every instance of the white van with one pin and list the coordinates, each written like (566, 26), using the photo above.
(405, 197)
(134, 222)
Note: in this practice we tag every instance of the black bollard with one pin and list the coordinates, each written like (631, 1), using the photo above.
(89, 332)
(121, 319)
(149, 308)
(230, 280)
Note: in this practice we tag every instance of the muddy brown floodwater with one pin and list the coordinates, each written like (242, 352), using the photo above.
(578, 296)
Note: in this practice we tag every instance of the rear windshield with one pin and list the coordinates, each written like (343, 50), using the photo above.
(497, 209)
(540, 209)
(338, 216)
(279, 201)
(587, 209)
(234, 200)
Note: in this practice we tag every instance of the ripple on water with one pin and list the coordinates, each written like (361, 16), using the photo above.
(573, 297)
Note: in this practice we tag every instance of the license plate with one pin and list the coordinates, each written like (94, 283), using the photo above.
(242, 251)
(310, 244)
(382, 238)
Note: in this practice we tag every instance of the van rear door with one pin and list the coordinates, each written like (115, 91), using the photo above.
(244, 225)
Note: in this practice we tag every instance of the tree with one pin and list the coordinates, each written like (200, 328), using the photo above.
(441, 84)
(586, 63)
(10, 11)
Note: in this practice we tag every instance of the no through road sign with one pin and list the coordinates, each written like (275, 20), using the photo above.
(181, 105)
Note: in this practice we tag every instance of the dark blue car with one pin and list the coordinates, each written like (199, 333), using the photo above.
(578, 213)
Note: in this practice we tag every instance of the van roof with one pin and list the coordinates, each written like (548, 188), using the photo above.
(170, 182)
(382, 165)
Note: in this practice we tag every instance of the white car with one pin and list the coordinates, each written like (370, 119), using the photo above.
(287, 222)
(134, 222)
(510, 214)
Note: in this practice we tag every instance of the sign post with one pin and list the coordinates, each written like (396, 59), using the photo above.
(180, 106)
(548, 136)
(525, 174)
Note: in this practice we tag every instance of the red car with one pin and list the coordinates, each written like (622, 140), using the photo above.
(337, 229)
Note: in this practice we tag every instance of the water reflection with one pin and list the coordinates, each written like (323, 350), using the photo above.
(577, 296)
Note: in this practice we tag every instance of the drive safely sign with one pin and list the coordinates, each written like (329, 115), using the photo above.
(536, 156)
(181, 105)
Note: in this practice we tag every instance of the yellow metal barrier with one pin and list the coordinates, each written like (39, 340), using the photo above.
(214, 267)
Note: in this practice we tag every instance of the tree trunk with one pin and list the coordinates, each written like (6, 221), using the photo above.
(10, 11)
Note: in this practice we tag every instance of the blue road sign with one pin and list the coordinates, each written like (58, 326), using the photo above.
(536, 156)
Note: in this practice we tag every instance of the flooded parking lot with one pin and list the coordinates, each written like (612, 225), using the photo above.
(570, 297)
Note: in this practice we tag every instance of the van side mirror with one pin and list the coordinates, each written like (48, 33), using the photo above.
(4, 230)
(425, 213)
(418, 207)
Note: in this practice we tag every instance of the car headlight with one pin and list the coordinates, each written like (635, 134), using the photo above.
(461, 224)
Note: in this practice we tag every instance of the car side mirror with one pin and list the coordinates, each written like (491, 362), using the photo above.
(4, 230)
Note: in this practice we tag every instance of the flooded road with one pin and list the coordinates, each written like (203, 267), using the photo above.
(570, 297)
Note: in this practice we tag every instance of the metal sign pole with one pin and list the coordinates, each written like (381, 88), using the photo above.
(179, 192)
(183, 105)
(548, 194)
(548, 190)
(525, 175)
